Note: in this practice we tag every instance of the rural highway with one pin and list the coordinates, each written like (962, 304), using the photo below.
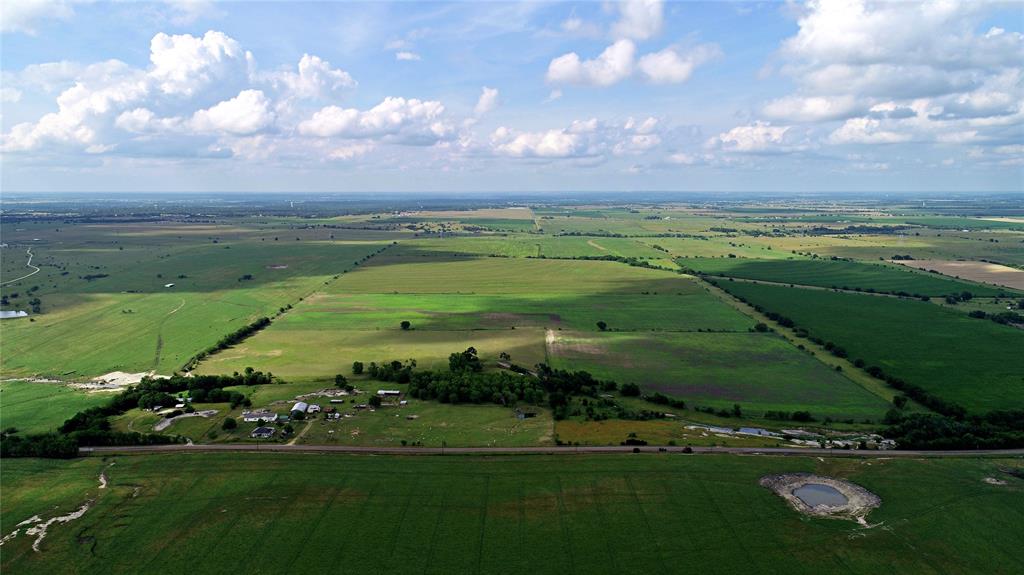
(560, 450)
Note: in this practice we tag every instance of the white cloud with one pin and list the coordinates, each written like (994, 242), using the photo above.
(865, 131)
(812, 109)
(406, 56)
(546, 144)
(24, 15)
(314, 78)
(350, 151)
(400, 120)
(188, 12)
(184, 64)
(613, 65)
(487, 102)
(10, 95)
(245, 114)
(669, 66)
(756, 137)
(83, 110)
(639, 19)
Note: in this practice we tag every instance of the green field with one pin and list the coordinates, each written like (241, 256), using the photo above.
(759, 371)
(840, 274)
(129, 321)
(971, 362)
(42, 407)
(494, 304)
(584, 514)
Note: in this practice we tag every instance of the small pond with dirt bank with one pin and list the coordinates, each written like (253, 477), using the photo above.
(815, 494)
(821, 496)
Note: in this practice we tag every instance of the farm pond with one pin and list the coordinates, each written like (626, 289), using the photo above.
(814, 494)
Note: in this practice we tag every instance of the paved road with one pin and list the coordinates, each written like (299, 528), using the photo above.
(279, 448)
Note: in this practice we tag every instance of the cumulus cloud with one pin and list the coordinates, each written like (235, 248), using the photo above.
(813, 109)
(618, 62)
(545, 144)
(313, 78)
(406, 56)
(613, 65)
(400, 120)
(754, 138)
(487, 102)
(865, 131)
(670, 66)
(639, 19)
(590, 138)
(245, 114)
(184, 64)
(895, 72)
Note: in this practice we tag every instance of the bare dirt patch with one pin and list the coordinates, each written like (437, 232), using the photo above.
(983, 272)
(994, 481)
(116, 380)
(165, 423)
(859, 501)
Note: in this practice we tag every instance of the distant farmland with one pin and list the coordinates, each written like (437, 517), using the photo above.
(839, 274)
(973, 362)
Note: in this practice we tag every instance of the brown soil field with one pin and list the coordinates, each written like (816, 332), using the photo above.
(975, 271)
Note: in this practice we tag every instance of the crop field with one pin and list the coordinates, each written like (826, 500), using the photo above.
(40, 407)
(972, 362)
(585, 514)
(135, 324)
(840, 274)
(759, 371)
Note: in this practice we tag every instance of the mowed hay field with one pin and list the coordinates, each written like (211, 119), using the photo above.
(972, 362)
(760, 371)
(539, 514)
(128, 321)
(494, 304)
(840, 274)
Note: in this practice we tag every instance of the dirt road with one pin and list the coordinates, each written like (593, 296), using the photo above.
(34, 271)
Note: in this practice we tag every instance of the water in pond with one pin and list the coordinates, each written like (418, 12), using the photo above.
(814, 494)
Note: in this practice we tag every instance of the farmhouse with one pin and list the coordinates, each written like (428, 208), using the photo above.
(260, 415)
(262, 433)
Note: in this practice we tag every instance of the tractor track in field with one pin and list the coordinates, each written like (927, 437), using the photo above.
(160, 336)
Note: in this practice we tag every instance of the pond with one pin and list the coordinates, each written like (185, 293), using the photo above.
(814, 494)
(10, 314)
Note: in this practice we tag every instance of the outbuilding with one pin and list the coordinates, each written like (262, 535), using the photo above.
(260, 415)
(299, 407)
(263, 433)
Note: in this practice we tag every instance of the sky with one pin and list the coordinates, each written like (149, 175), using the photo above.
(645, 95)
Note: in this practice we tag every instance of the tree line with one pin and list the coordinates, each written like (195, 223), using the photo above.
(92, 426)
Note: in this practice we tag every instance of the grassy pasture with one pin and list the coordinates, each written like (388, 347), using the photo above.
(840, 274)
(302, 513)
(468, 275)
(135, 324)
(758, 371)
(493, 304)
(975, 363)
(42, 407)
